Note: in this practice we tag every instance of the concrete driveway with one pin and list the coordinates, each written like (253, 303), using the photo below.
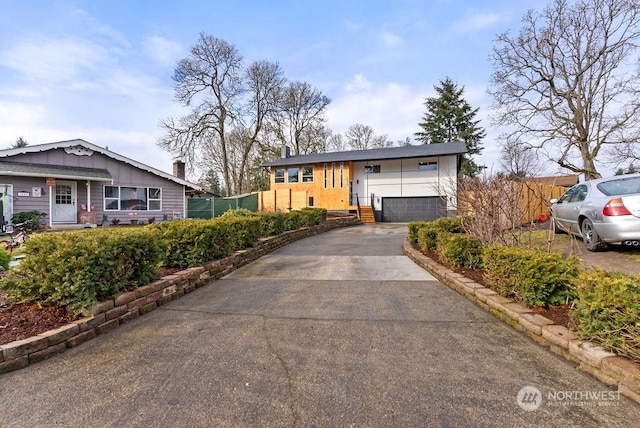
(340, 329)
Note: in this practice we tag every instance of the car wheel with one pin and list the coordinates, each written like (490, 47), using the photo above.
(590, 237)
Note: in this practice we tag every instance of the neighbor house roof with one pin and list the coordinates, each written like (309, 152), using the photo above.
(23, 169)
(82, 143)
(419, 151)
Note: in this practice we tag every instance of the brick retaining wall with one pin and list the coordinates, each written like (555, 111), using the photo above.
(605, 366)
(127, 306)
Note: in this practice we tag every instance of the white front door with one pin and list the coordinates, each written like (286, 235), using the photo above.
(64, 202)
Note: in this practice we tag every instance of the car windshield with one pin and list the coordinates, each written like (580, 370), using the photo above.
(622, 186)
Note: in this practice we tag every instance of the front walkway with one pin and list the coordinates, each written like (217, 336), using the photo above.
(338, 329)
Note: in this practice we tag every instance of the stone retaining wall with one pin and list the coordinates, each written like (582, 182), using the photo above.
(607, 367)
(127, 306)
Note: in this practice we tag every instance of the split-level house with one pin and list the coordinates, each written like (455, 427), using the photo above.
(397, 184)
(76, 182)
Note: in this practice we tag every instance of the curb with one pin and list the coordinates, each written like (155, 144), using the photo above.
(607, 367)
(108, 315)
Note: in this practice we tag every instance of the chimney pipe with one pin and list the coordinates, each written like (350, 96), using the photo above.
(286, 152)
(179, 169)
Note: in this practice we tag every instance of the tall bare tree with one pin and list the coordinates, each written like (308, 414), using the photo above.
(210, 82)
(519, 160)
(568, 82)
(362, 137)
(302, 109)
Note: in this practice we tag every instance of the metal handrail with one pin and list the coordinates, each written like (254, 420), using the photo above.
(358, 205)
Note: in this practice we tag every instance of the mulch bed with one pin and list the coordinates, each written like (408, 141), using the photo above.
(20, 321)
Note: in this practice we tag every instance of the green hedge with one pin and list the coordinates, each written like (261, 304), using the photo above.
(459, 250)
(607, 310)
(533, 277)
(414, 229)
(77, 269)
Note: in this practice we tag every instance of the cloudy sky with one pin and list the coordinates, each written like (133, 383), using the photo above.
(101, 70)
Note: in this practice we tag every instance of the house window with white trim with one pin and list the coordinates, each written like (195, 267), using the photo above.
(341, 175)
(279, 176)
(372, 169)
(125, 198)
(325, 175)
(294, 175)
(307, 174)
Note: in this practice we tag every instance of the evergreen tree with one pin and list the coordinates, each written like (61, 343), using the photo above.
(450, 118)
(20, 142)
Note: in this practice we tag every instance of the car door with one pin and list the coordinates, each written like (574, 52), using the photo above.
(568, 208)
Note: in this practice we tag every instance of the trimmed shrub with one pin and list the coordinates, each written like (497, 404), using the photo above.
(533, 277)
(5, 258)
(459, 250)
(414, 228)
(272, 224)
(238, 212)
(448, 224)
(77, 269)
(428, 239)
(30, 218)
(293, 220)
(243, 231)
(314, 215)
(607, 310)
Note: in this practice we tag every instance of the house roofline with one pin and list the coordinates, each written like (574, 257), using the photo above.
(71, 143)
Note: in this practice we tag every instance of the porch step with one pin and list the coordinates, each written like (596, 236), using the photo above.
(366, 214)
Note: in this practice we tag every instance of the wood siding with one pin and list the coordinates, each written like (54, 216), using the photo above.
(397, 178)
(173, 194)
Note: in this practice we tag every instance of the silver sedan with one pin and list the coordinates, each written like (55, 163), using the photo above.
(603, 211)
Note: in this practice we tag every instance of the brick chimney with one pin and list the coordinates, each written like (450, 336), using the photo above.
(179, 169)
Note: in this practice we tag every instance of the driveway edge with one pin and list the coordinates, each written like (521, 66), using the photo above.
(607, 367)
(126, 306)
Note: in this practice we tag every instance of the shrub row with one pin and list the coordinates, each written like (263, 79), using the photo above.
(533, 277)
(605, 304)
(77, 269)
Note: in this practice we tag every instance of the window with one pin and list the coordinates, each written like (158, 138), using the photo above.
(325, 175)
(372, 169)
(333, 175)
(341, 175)
(132, 198)
(294, 175)
(428, 166)
(279, 175)
(311, 201)
(307, 174)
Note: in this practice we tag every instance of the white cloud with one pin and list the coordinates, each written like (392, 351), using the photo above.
(162, 50)
(390, 108)
(359, 82)
(390, 40)
(476, 21)
(54, 61)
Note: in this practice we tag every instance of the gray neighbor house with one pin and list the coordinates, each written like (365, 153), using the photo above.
(78, 183)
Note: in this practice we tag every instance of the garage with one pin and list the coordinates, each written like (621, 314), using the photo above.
(406, 209)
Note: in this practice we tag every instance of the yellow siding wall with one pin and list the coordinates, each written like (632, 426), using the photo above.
(285, 196)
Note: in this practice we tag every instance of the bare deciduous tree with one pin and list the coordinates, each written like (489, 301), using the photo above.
(210, 82)
(568, 81)
(363, 137)
(302, 109)
(519, 160)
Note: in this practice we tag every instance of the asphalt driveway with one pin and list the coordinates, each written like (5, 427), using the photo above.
(340, 329)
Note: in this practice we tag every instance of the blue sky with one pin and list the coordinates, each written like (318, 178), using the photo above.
(101, 70)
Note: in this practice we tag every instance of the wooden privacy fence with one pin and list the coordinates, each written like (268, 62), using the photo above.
(535, 197)
(282, 200)
(509, 201)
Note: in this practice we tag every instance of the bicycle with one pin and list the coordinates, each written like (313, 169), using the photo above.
(16, 239)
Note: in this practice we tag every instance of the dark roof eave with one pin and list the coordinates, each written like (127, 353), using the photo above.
(432, 150)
